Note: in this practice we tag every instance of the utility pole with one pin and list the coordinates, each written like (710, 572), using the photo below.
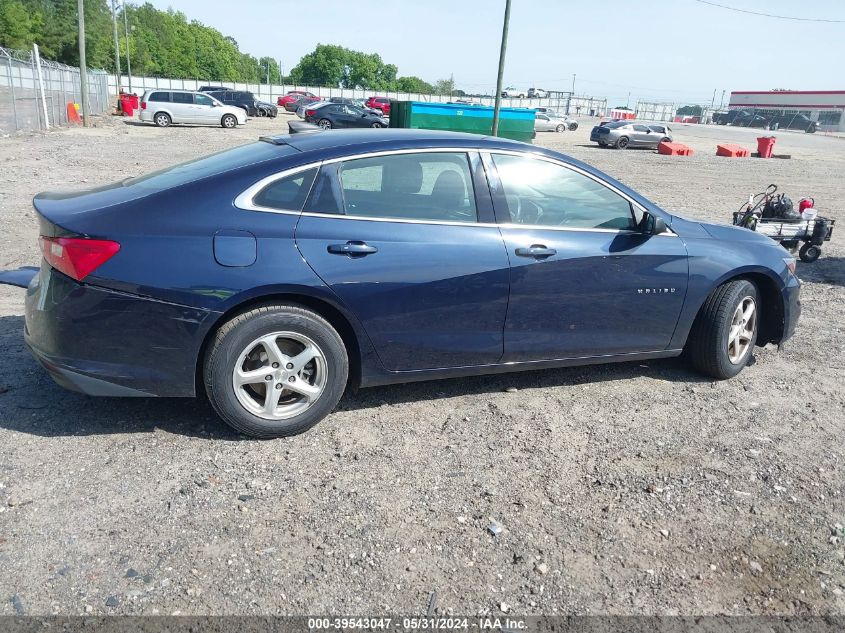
(83, 67)
(713, 100)
(722, 100)
(573, 84)
(502, 51)
(126, 29)
(116, 48)
(451, 84)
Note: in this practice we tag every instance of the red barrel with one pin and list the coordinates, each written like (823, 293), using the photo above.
(126, 104)
(765, 145)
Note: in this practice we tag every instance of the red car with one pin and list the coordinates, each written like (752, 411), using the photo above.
(379, 103)
(293, 95)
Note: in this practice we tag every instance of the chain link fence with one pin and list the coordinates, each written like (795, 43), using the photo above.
(23, 97)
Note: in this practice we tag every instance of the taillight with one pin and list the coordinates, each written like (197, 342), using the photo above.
(310, 112)
(143, 105)
(77, 257)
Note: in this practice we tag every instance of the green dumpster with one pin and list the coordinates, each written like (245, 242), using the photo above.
(514, 123)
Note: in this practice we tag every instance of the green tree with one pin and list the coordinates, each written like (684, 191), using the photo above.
(20, 27)
(689, 110)
(414, 84)
(444, 86)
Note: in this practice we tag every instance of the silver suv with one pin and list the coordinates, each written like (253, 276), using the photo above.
(164, 107)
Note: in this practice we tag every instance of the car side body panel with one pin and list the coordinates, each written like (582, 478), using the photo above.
(166, 273)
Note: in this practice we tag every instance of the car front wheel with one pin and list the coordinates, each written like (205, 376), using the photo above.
(275, 370)
(725, 331)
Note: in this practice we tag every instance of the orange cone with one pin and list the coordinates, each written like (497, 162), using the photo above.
(72, 114)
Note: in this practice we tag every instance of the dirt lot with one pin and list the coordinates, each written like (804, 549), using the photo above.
(635, 488)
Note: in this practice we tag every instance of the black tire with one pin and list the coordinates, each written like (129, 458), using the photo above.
(707, 346)
(236, 335)
(602, 144)
(325, 124)
(573, 126)
(229, 121)
(261, 112)
(621, 142)
(666, 139)
(377, 125)
(560, 128)
(809, 253)
(162, 119)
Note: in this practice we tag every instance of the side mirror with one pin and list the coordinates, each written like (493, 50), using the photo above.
(652, 224)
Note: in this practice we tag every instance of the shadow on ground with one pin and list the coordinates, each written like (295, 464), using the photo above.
(30, 402)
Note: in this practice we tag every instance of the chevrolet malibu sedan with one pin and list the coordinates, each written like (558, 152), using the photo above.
(274, 275)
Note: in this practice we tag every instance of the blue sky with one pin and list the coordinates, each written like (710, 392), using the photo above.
(666, 50)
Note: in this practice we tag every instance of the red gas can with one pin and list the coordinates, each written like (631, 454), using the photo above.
(806, 203)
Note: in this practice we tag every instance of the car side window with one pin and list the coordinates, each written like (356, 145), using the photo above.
(641, 128)
(421, 186)
(160, 96)
(541, 193)
(288, 193)
(203, 100)
(183, 97)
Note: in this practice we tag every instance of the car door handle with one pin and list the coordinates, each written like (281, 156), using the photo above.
(536, 250)
(352, 248)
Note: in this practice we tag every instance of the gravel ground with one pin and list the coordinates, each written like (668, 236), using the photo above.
(637, 488)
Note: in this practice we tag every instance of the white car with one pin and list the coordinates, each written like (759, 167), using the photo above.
(545, 122)
(514, 93)
(165, 107)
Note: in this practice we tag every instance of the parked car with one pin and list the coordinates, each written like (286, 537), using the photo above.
(627, 133)
(514, 93)
(164, 107)
(293, 105)
(661, 128)
(339, 115)
(246, 100)
(293, 95)
(312, 105)
(379, 103)
(537, 93)
(749, 119)
(794, 122)
(545, 123)
(399, 271)
(213, 88)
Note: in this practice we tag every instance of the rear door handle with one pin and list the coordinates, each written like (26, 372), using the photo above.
(536, 250)
(352, 248)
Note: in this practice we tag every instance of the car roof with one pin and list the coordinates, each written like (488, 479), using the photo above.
(392, 138)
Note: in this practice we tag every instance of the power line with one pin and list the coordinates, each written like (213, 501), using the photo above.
(769, 15)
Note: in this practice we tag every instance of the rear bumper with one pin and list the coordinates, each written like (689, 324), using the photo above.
(107, 343)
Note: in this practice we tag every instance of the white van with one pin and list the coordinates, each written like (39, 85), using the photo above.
(164, 107)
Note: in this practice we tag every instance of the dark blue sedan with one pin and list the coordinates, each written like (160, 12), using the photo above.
(273, 275)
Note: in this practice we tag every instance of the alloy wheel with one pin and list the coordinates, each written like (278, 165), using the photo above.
(280, 375)
(741, 333)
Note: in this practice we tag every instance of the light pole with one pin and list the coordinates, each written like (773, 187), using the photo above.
(502, 51)
(83, 67)
(126, 29)
(116, 48)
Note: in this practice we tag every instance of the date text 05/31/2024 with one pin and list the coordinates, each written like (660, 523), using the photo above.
(416, 624)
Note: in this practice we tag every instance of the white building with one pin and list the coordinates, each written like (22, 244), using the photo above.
(825, 106)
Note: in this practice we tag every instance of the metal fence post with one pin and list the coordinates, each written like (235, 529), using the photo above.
(12, 85)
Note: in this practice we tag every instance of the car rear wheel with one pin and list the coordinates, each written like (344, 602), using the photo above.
(261, 112)
(560, 128)
(573, 126)
(622, 142)
(229, 121)
(275, 370)
(666, 139)
(725, 331)
(325, 124)
(377, 125)
(162, 119)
